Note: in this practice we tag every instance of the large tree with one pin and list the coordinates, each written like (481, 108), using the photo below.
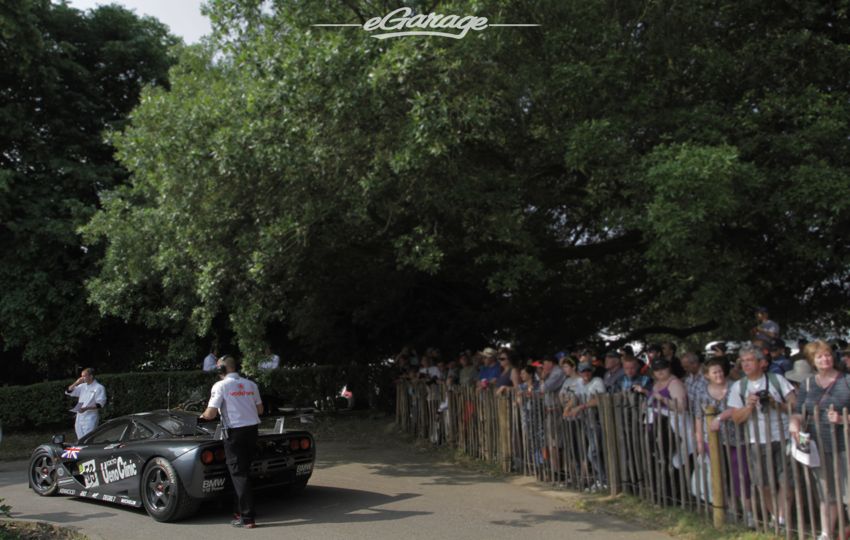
(66, 76)
(624, 165)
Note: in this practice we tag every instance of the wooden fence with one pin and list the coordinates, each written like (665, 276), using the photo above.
(626, 444)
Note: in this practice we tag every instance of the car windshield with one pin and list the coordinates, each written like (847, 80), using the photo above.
(174, 425)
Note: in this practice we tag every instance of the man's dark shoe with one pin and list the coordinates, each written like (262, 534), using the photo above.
(247, 525)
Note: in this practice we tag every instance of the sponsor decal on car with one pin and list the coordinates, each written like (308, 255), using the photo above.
(213, 484)
(60, 471)
(83, 493)
(66, 491)
(89, 471)
(66, 481)
(303, 468)
(109, 498)
(117, 469)
(72, 452)
(131, 502)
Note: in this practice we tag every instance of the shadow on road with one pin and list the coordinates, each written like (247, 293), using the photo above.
(523, 519)
(316, 505)
(66, 517)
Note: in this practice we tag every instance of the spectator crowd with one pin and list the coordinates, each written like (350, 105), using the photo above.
(764, 401)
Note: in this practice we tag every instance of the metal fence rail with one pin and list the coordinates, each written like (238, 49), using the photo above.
(625, 444)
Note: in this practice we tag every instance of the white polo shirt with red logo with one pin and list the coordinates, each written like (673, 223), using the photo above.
(236, 399)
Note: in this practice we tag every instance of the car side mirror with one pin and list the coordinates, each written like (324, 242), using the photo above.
(58, 439)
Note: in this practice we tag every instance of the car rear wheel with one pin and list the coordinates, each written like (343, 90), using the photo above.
(163, 494)
(43, 473)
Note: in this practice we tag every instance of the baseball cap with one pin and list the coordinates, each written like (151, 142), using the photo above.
(585, 366)
(612, 354)
(537, 363)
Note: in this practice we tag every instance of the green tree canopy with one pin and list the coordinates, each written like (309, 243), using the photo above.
(66, 76)
(624, 165)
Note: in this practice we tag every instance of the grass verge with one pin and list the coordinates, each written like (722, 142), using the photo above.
(25, 530)
(675, 521)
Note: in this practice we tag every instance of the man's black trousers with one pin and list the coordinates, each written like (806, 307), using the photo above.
(239, 448)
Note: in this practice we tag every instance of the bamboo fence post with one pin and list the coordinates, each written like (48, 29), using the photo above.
(717, 490)
(612, 465)
(505, 432)
(820, 445)
(836, 470)
(846, 434)
(784, 486)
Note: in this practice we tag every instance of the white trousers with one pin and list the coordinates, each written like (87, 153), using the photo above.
(85, 423)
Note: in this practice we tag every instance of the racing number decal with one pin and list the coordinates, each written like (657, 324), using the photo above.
(89, 473)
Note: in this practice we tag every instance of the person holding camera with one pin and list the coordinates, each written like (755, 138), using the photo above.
(829, 391)
(238, 402)
(761, 399)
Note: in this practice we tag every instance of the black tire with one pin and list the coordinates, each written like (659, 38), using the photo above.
(42, 473)
(163, 494)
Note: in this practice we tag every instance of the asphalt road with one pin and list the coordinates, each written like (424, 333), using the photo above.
(366, 488)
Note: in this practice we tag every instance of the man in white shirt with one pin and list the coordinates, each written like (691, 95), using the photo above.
(761, 399)
(210, 359)
(272, 360)
(587, 391)
(238, 402)
(91, 397)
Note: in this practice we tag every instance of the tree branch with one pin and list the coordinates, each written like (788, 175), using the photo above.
(680, 333)
(628, 241)
(355, 9)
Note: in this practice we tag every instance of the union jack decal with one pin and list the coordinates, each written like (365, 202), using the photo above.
(71, 452)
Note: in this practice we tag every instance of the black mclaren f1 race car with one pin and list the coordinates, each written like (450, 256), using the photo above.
(165, 461)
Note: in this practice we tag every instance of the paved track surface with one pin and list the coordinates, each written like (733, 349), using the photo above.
(362, 489)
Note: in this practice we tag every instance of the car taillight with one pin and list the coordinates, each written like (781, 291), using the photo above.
(305, 444)
(207, 457)
(293, 444)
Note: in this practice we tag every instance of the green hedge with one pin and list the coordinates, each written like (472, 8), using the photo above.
(45, 404)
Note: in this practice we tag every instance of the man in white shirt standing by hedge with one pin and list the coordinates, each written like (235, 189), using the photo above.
(91, 397)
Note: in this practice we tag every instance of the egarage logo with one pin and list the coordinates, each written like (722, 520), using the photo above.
(402, 23)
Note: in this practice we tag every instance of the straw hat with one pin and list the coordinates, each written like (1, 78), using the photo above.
(802, 371)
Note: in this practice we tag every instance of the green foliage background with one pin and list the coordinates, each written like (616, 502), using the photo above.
(635, 166)
(66, 76)
(625, 164)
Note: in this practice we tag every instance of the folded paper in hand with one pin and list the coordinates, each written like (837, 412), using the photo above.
(805, 451)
